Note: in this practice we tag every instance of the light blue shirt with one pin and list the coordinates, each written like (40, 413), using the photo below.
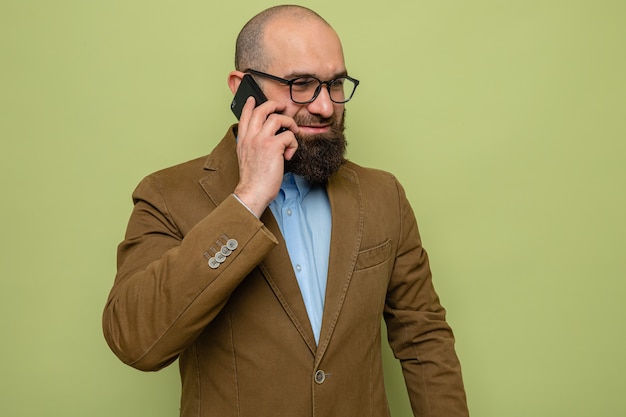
(303, 215)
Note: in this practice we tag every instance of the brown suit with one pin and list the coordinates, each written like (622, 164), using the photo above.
(241, 331)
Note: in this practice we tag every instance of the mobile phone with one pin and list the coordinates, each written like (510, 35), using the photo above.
(247, 88)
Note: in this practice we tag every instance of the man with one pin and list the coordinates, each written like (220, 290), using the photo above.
(266, 267)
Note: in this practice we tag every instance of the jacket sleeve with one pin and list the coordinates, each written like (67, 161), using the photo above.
(165, 293)
(418, 332)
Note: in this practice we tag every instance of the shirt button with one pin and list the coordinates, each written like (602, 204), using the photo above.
(289, 212)
(298, 268)
(320, 376)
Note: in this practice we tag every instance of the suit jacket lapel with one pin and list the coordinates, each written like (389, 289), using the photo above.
(279, 274)
(346, 206)
(222, 177)
(222, 169)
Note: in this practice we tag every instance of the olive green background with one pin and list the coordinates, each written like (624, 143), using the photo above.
(505, 121)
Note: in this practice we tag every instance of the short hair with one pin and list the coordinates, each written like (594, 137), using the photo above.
(249, 48)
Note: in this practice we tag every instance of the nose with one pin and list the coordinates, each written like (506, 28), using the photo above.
(322, 105)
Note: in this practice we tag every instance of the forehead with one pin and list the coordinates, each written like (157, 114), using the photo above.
(302, 46)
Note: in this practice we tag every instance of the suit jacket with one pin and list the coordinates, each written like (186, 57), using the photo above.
(240, 328)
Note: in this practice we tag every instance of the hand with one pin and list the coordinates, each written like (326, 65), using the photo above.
(262, 153)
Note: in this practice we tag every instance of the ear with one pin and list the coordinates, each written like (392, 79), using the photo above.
(234, 79)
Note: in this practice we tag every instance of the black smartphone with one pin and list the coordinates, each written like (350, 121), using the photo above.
(247, 88)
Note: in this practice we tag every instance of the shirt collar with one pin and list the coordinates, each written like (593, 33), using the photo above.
(291, 181)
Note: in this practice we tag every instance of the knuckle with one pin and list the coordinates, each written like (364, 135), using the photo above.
(273, 117)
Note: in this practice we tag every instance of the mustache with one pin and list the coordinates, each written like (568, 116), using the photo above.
(314, 120)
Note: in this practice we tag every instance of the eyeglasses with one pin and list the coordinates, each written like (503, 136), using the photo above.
(304, 90)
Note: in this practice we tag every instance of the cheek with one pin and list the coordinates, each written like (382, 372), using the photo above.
(280, 94)
(339, 108)
(292, 109)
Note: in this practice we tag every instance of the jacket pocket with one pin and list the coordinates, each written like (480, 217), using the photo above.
(375, 256)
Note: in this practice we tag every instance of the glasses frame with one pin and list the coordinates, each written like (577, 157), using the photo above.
(318, 89)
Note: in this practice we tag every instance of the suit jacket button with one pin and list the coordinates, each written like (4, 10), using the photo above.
(213, 263)
(320, 376)
(232, 244)
(220, 257)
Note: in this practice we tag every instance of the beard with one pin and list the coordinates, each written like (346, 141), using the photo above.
(318, 157)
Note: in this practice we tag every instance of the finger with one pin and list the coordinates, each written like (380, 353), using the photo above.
(290, 147)
(262, 112)
(246, 115)
(279, 123)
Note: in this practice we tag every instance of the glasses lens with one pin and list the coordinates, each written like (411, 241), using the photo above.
(341, 89)
(305, 90)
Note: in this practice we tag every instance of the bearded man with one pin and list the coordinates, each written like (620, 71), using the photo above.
(267, 266)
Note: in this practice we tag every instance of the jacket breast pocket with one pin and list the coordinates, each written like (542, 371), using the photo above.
(372, 257)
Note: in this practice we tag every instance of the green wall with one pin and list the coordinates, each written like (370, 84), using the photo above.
(505, 121)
